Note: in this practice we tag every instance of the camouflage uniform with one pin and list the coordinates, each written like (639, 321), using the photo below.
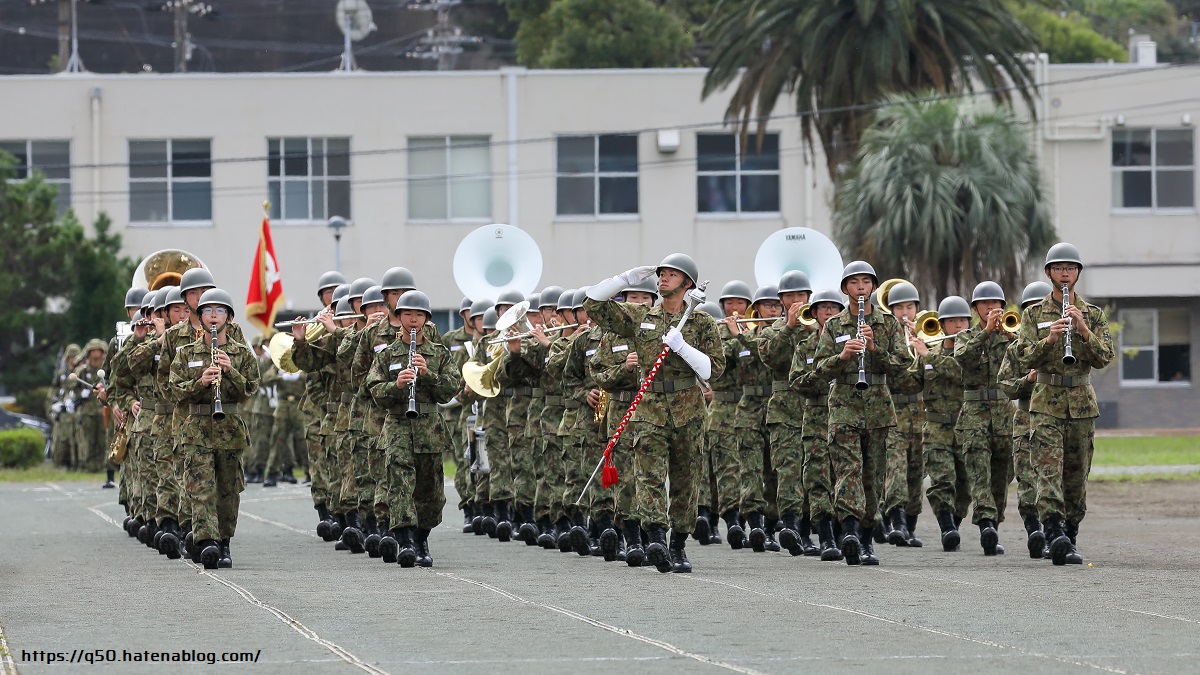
(945, 463)
(456, 418)
(315, 404)
(328, 354)
(519, 386)
(367, 421)
(759, 481)
(1013, 382)
(582, 443)
(984, 428)
(414, 447)
(261, 418)
(559, 414)
(287, 428)
(806, 478)
(621, 385)
(212, 450)
(162, 481)
(904, 472)
(122, 393)
(725, 473)
(1063, 408)
(664, 447)
(859, 420)
(497, 485)
(90, 431)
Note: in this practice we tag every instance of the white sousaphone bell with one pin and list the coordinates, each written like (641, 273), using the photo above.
(799, 248)
(495, 258)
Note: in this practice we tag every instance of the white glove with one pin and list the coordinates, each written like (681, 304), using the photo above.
(698, 360)
(606, 289)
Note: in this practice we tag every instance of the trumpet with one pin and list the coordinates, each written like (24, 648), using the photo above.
(1010, 322)
(518, 336)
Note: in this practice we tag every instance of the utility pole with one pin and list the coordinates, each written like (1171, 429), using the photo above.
(182, 39)
(64, 33)
(443, 41)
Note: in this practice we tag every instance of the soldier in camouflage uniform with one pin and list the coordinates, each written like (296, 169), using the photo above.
(122, 394)
(120, 405)
(984, 426)
(859, 419)
(455, 413)
(941, 376)
(904, 472)
(806, 478)
(413, 445)
(491, 486)
(664, 447)
(261, 417)
(90, 432)
(287, 427)
(519, 387)
(466, 479)
(213, 448)
(1063, 408)
(1018, 383)
(557, 421)
(62, 410)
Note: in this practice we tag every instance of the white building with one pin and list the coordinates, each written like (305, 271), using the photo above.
(605, 169)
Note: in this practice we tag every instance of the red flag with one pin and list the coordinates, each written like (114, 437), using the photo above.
(265, 296)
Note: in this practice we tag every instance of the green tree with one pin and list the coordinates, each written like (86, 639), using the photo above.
(947, 192)
(599, 34)
(837, 56)
(1069, 38)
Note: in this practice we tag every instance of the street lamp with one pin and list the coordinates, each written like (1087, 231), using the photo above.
(337, 224)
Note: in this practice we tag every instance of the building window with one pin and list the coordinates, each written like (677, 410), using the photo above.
(308, 179)
(170, 181)
(51, 158)
(449, 178)
(1156, 346)
(598, 175)
(729, 180)
(1153, 169)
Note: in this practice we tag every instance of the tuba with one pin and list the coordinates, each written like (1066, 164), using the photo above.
(164, 268)
(494, 258)
(798, 248)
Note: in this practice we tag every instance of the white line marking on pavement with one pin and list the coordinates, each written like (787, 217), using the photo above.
(246, 595)
(7, 665)
(285, 526)
(935, 631)
(625, 632)
(1160, 616)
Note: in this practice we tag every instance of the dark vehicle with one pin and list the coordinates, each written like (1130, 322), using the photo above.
(12, 420)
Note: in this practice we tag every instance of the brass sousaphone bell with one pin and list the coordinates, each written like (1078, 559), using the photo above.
(164, 268)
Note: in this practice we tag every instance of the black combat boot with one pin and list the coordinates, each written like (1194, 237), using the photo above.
(1072, 531)
(868, 557)
(352, 535)
(806, 543)
(679, 561)
(988, 537)
(132, 527)
(789, 536)
(468, 512)
(389, 546)
(336, 526)
(1060, 543)
(323, 522)
(210, 554)
(563, 534)
(580, 542)
(879, 532)
(701, 533)
(504, 526)
(911, 521)
(733, 529)
(950, 538)
(851, 543)
(407, 551)
(288, 477)
(657, 551)
(594, 537)
(169, 541)
(714, 536)
(1035, 539)
(546, 538)
(477, 520)
(373, 537)
(143, 533)
(108, 482)
(151, 532)
(157, 538)
(758, 534)
(489, 519)
(190, 549)
(635, 555)
(609, 539)
(271, 480)
(898, 536)
(769, 527)
(226, 559)
(125, 523)
(529, 530)
(421, 541)
(829, 543)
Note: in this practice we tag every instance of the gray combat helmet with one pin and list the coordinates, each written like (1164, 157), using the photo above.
(794, 281)
(160, 297)
(489, 319)
(414, 300)
(137, 316)
(134, 297)
(360, 286)
(173, 296)
(953, 307)
(464, 306)
(567, 299)
(216, 296)
(828, 295)
(580, 296)
(342, 311)
(330, 279)
(683, 263)
(339, 292)
(858, 267)
(648, 286)
(480, 307)
(903, 292)
(373, 295)
(398, 279)
(197, 277)
(735, 290)
(1034, 292)
(510, 297)
(986, 290)
(535, 301)
(549, 297)
(712, 309)
(1064, 252)
(768, 292)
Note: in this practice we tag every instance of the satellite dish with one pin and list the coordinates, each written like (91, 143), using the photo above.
(354, 19)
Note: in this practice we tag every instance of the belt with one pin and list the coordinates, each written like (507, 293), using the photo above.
(941, 418)
(726, 396)
(206, 409)
(672, 386)
(1023, 404)
(1063, 380)
(984, 395)
(423, 409)
(621, 396)
(347, 399)
(872, 378)
(554, 401)
(821, 401)
(571, 404)
(756, 391)
(163, 408)
(538, 393)
(780, 385)
(332, 407)
(905, 399)
(517, 391)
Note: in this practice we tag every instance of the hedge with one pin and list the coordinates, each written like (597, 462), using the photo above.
(21, 448)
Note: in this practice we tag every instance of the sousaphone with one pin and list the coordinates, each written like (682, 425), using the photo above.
(494, 258)
(799, 248)
(164, 268)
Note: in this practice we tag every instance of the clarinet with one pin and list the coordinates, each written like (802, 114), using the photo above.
(1068, 352)
(412, 413)
(862, 356)
(218, 413)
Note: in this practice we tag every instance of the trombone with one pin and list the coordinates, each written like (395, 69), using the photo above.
(298, 322)
(518, 336)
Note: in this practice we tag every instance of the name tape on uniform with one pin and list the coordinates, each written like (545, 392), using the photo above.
(649, 326)
(744, 353)
(1045, 324)
(590, 352)
(620, 348)
(380, 347)
(928, 366)
(193, 364)
(455, 348)
(842, 338)
(809, 360)
(396, 366)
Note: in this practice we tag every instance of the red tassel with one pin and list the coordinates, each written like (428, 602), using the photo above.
(608, 476)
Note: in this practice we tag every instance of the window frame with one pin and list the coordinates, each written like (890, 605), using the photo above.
(596, 175)
(481, 140)
(325, 178)
(1122, 347)
(1153, 169)
(737, 174)
(31, 165)
(171, 180)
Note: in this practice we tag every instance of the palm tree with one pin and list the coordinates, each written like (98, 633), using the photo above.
(946, 194)
(839, 57)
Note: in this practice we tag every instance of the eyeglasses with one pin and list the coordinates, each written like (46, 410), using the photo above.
(1060, 269)
(215, 311)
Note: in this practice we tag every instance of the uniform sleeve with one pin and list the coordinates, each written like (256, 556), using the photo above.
(1098, 349)
(573, 371)
(1011, 377)
(381, 380)
(443, 382)
(181, 386)
(775, 345)
(313, 356)
(621, 318)
(1035, 353)
(242, 380)
(802, 375)
(969, 349)
(826, 362)
(710, 344)
(141, 359)
(364, 356)
(895, 358)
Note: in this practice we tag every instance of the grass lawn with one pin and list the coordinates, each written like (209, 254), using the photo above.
(1146, 450)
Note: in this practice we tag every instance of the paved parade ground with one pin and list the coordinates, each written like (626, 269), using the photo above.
(72, 581)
